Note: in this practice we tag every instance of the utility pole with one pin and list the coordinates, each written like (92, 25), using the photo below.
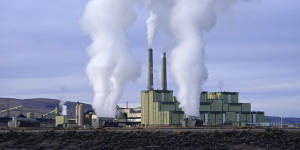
(281, 121)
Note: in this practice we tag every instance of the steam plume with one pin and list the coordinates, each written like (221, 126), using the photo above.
(111, 62)
(151, 26)
(186, 22)
(63, 107)
(190, 18)
(64, 110)
(159, 14)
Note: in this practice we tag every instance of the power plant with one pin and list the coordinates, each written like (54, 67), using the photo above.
(161, 108)
(218, 108)
(162, 113)
(158, 108)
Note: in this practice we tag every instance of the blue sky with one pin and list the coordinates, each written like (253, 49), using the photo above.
(254, 49)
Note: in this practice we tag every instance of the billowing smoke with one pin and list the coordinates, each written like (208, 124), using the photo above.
(62, 102)
(151, 27)
(186, 22)
(64, 110)
(158, 20)
(190, 18)
(111, 62)
(63, 107)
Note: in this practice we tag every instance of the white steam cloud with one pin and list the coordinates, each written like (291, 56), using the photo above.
(63, 107)
(151, 26)
(64, 110)
(186, 23)
(111, 62)
(159, 14)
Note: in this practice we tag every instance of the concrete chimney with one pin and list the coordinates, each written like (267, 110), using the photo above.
(164, 72)
(150, 70)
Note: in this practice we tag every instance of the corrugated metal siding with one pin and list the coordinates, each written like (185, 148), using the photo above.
(235, 107)
(212, 118)
(219, 118)
(225, 107)
(202, 116)
(156, 112)
(231, 116)
(216, 105)
(246, 107)
(260, 117)
(249, 118)
(243, 117)
(235, 98)
(204, 107)
(203, 97)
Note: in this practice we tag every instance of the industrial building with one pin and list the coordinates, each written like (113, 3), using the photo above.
(52, 114)
(71, 108)
(159, 107)
(100, 122)
(129, 116)
(224, 108)
(46, 123)
(22, 121)
(82, 118)
(61, 121)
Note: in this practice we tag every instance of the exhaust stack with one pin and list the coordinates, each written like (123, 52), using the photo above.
(150, 69)
(164, 72)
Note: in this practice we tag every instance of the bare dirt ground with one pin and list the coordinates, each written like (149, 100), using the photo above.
(153, 138)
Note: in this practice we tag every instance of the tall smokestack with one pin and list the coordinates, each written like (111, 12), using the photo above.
(164, 72)
(150, 69)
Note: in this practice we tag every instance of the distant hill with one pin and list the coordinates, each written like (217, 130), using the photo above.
(286, 120)
(37, 106)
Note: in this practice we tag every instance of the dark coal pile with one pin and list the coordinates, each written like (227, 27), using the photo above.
(270, 139)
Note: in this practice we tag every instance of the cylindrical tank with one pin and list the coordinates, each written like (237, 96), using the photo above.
(79, 114)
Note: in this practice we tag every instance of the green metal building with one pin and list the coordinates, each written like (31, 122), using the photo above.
(160, 108)
(223, 107)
